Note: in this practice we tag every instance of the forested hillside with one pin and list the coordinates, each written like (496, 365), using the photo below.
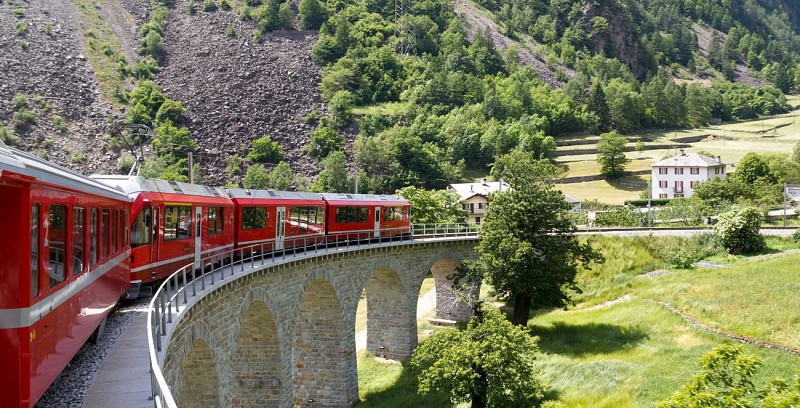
(276, 94)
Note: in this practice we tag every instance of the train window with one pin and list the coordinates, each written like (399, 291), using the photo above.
(113, 230)
(93, 244)
(140, 230)
(78, 240)
(392, 213)
(120, 229)
(125, 235)
(254, 218)
(34, 250)
(55, 238)
(352, 214)
(215, 220)
(104, 219)
(177, 222)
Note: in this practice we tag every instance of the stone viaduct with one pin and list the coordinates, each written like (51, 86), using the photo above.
(283, 334)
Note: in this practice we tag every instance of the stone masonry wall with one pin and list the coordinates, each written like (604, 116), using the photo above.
(283, 335)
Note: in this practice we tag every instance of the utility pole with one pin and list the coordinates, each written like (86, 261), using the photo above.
(191, 168)
(784, 204)
(649, 197)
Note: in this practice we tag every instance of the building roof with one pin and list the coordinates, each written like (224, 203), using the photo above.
(571, 199)
(484, 188)
(689, 160)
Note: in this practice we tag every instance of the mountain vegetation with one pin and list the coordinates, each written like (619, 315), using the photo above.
(418, 95)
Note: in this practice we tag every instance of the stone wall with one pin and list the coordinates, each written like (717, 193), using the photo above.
(285, 335)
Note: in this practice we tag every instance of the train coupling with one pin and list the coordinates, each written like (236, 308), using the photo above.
(133, 290)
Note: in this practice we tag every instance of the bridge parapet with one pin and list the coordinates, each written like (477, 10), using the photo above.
(280, 331)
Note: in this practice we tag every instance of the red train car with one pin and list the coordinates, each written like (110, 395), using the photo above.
(366, 216)
(63, 266)
(278, 219)
(173, 224)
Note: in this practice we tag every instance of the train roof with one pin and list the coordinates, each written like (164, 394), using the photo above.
(361, 199)
(16, 161)
(245, 193)
(132, 185)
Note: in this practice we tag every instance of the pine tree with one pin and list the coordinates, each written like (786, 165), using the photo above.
(599, 106)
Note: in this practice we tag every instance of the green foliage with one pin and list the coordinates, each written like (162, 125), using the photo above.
(433, 206)
(687, 211)
(334, 177)
(20, 101)
(233, 164)
(209, 6)
(312, 14)
(680, 252)
(59, 123)
(172, 140)
(611, 154)
(159, 167)
(279, 178)
(8, 136)
(323, 141)
(621, 217)
(191, 7)
(152, 44)
(21, 27)
(341, 108)
(726, 380)
(490, 361)
(77, 158)
(230, 31)
(170, 111)
(48, 28)
(738, 230)
(753, 168)
(527, 248)
(795, 235)
(264, 150)
(146, 68)
(125, 163)
(24, 118)
(256, 177)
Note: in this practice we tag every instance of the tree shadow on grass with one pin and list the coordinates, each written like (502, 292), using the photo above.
(403, 393)
(592, 338)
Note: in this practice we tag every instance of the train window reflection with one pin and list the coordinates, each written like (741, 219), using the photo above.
(104, 219)
(93, 244)
(177, 222)
(34, 250)
(215, 220)
(254, 218)
(78, 240)
(352, 214)
(140, 230)
(56, 237)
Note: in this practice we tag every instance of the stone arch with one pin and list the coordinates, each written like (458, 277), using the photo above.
(256, 365)
(451, 303)
(323, 350)
(200, 386)
(391, 315)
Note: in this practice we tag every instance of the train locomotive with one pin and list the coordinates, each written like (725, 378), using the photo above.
(74, 246)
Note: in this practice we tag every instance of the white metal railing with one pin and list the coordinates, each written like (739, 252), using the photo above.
(175, 293)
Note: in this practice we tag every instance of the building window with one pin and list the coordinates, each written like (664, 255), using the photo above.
(662, 195)
(481, 206)
(678, 170)
(215, 220)
(678, 195)
(662, 170)
(177, 222)
(691, 184)
(477, 220)
(694, 170)
(679, 186)
(663, 183)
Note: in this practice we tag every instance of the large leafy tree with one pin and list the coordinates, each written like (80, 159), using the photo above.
(491, 363)
(527, 249)
(611, 154)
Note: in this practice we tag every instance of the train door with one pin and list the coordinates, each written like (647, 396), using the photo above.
(280, 227)
(154, 241)
(198, 241)
(377, 228)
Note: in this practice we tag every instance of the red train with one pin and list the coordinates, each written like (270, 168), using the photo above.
(73, 245)
(63, 266)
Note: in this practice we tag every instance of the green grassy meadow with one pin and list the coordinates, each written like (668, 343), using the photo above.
(634, 352)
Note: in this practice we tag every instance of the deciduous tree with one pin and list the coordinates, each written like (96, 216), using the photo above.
(611, 154)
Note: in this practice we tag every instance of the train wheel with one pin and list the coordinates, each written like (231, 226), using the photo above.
(98, 331)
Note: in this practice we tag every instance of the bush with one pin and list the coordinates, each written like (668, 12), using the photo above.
(341, 108)
(209, 6)
(230, 31)
(24, 118)
(622, 217)
(264, 150)
(312, 14)
(191, 7)
(20, 101)
(324, 140)
(682, 252)
(146, 68)
(59, 123)
(643, 202)
(8, 137)
(795, 236)
(152, 44)
(223, 4)
(22, 27)
(737, 230)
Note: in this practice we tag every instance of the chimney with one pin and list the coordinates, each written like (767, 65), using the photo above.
(683, 153)
(483, 181)
(719, 159)
(471, 188)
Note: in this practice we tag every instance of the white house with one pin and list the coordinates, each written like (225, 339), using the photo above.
(474, 197)
(677, 176)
